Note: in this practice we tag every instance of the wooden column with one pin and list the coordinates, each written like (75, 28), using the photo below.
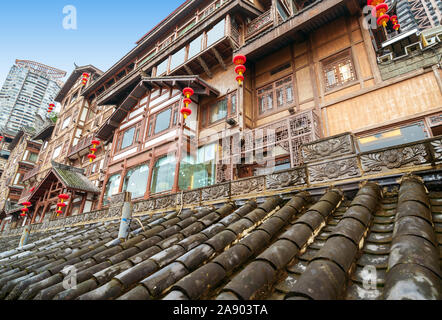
(37, 207)
(69, 207)
(83, 203)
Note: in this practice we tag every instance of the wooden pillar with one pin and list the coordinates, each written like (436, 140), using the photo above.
(69, 207)
(83, 203)
(37, 207)
(149, 179)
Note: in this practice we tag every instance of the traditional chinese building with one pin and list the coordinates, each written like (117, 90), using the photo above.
(317, 168)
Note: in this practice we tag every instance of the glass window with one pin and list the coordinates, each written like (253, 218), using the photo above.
(163, 121)
(218, 110)
(163, 174)
(265, 99)
(33, 157)
(162, 68)
(136, 181)
(280, 93)
(56, 152)
(66, 123)
(216, 33)
(338, 70)
(195, 47)
(112, 187)
(199, 172)
(128, 138)
(177, 59)
(233, 111)
(402, 135)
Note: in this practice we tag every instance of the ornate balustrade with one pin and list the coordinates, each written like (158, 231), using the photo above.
(259, 24)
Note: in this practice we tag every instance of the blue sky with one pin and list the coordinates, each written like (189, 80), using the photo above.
(107, 30)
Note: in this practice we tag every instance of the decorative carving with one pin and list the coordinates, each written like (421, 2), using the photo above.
(339, 169)
(394, 158)
(338, 146)
(144, 206)
(253, 185)
(216, 192)
(437, 149)
(192, 197)
(286, 179)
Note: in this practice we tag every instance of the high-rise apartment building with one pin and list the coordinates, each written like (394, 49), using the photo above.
(420, 14)
(28, 89)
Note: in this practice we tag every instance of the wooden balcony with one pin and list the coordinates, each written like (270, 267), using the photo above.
(32, 173)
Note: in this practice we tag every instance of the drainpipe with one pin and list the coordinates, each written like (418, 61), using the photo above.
(126, 218)
(25, 236)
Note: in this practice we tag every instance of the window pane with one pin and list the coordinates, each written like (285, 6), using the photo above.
(33, 157)
(233, 111)
(187, 167)
(177, 59)
(163, 175)
(394, 137)
(128, 138)
(279, 97)
(136, 181)
(331, 78)
(56, 152)
(163, 121)
(218, 111)
(195, 47)
(289, 93)
(216, 33)
(112, 187)
(162, 68)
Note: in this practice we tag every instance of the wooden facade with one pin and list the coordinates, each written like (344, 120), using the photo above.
(313, 72)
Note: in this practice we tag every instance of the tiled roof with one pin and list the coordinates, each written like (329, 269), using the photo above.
(74, 178)
(303, 246)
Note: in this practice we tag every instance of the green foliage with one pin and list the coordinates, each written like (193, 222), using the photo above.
(53, 116)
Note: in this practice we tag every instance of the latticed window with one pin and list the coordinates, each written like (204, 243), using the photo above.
(275, 96)
(338, 70)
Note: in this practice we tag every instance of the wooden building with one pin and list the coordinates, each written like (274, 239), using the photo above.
(313, 71)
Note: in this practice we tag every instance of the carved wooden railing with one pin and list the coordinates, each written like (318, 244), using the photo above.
(259, 24)
(81, 145)
(327, 161)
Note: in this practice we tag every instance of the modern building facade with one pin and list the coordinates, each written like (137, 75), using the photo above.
(28, 90)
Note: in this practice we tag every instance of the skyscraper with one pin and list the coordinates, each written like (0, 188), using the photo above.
(28, 89)
(421, 14)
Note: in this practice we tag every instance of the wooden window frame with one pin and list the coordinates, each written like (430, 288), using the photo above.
(205, 110)
(151, 124)
(275, 108)
(135, 140)
(333, 62)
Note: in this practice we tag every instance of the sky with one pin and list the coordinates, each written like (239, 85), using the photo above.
(106, 31)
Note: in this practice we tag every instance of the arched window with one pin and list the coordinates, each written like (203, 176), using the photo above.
(136, 181)
(112, 187)
(163, 174)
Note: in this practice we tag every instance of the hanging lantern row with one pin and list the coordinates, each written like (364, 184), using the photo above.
(395, 22)
(51, 107)
(186, 111)
(85, 78)
(92, 156)
(240, 69)
(25, 210)
(62, 204)
(379, 11)
(1, 138)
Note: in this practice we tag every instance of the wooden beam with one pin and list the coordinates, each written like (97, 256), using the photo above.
(205, 67)
(219, 58)
(188, 70)
(352, 7)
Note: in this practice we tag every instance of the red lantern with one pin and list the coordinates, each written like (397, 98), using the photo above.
(26, 204)
(1, 138)
(51, 107)
(61, 205)
(186, 111)
(59, 212)
(382, 20)
(396, 26)
(379, 10)
(85, 78)
(240, 69)
(92, 156)
(63, 196)
(32, 189)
